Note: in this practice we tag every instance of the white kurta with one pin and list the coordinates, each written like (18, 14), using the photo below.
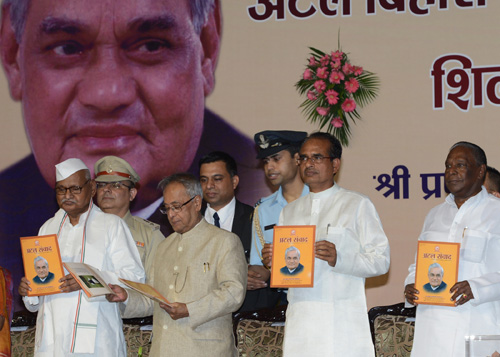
(476, 225)
(110, 248)
(331, 318)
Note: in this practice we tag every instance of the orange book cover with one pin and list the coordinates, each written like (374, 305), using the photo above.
(293, 257)
(436, 272)
(42, 264)
(146, 290)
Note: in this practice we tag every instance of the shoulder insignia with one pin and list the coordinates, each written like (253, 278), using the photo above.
(150, 224)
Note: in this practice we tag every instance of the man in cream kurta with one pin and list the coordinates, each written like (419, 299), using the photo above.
(69, 323)
(201, 270)
(469, 216)
(331, 318)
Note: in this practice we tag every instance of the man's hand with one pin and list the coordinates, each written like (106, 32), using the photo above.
(462, 289)
(120, 294)
(177, 310)
(267, 254)
(411, 294)
(24, 287)
(326, 251)
(257, 277)
(69, 284)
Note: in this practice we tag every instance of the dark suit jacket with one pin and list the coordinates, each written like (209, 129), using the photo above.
(242, 226)
(441, 287)
(49, 278)
(27, 201)
(285, 270)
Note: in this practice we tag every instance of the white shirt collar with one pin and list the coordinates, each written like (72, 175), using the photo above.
(226, 215)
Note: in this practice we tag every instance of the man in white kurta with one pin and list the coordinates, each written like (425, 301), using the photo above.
(331, 318)
(68, 323)
(469, 216)
(201, 270)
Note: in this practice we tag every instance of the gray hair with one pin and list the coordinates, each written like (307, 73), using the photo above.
(190, 183)
(40, 258)
(291, 249)
(200, 10)
(436, 265)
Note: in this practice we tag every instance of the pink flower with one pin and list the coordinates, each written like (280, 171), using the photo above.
(322, 111)
(336, 64)
(349, 105)
(337, 55)
(324, 60)
(348, 68)
(358, 70)
(322, 72)
(332, 97)
(351, 85)
(308, 74)
(311, 95)
(312, 61)
(336, 77)
(337, 122)
(320, 86)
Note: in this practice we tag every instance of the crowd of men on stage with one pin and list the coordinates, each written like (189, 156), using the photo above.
(217, 260)
(128, 80)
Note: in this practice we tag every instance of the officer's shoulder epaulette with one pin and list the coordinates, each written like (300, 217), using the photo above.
(264, 199)
(153, 226)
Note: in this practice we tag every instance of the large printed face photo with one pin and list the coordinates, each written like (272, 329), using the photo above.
(112, 78)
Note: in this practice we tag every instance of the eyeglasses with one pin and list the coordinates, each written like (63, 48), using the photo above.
(75, 190)
(115, 185)
(314, 159)
(176, 207)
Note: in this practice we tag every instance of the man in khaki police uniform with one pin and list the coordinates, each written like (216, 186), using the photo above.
(116, 181)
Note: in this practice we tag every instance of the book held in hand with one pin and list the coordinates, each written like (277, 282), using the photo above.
(293, 257)
(146, 290)
(436, 272)
(42, 264)
(89, 279)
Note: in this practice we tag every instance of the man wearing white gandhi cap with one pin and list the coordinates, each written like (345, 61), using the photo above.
(69, 322)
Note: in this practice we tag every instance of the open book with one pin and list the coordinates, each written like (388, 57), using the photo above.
(146, 290)
(89, 279)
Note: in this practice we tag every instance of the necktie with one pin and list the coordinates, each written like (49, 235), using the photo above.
(216, 220)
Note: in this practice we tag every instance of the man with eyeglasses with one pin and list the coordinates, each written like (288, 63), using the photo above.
(330, 318)
(116, 182)
(69, 323)
(200, 269)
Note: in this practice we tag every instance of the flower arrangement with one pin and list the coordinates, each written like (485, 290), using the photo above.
(334, 89)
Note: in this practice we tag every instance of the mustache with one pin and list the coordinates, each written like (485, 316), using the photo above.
(70, 200)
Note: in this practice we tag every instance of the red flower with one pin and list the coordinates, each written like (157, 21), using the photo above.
(336, 64)
(332, 97)
(308, 74)
(322, 72)
(349, 105)
(311, 95)
(320, 86)
(324, 60)
(348, 68)
(312, 61)
(337, 55)
(358, 70)
(336, 77)
(352, 85)
(322, 111)
(337, 122)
